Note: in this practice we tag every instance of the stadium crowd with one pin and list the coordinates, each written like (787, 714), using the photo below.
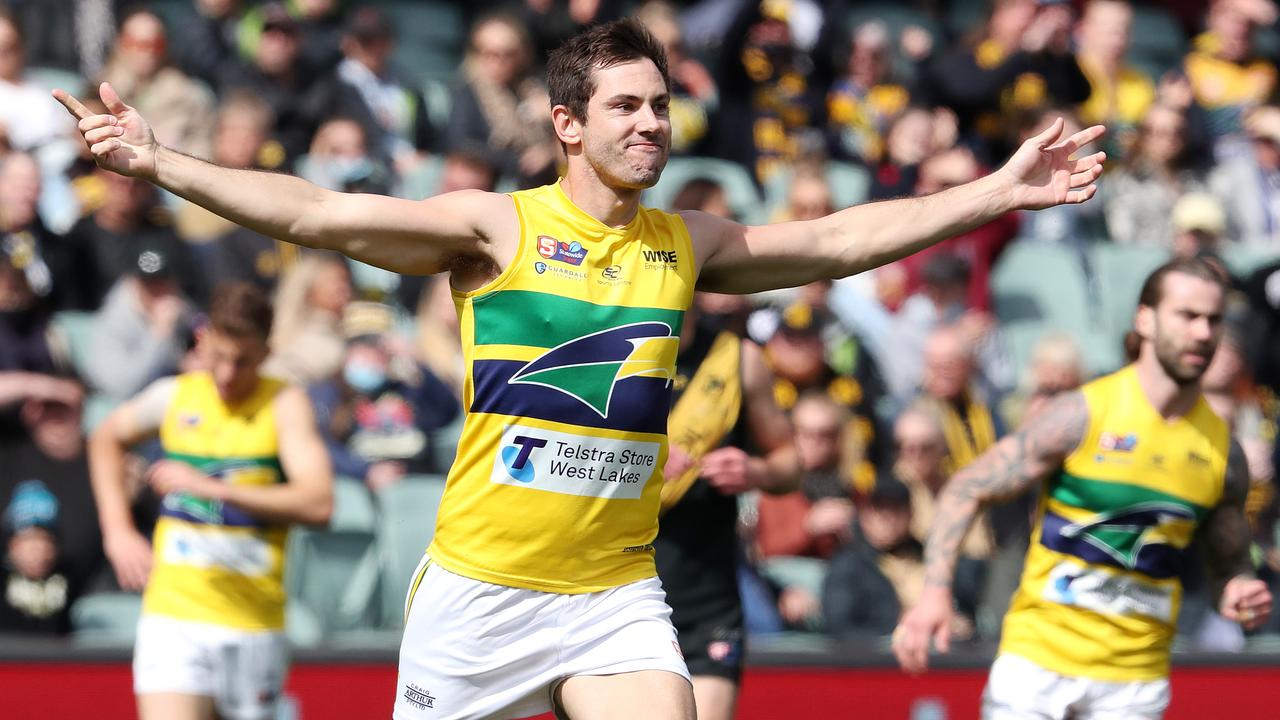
(781, 110)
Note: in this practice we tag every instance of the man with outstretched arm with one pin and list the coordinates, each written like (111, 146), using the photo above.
(1131, 467)
(571, 299)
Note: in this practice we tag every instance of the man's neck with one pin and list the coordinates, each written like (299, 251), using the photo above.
(614, 207)
(1169, 398)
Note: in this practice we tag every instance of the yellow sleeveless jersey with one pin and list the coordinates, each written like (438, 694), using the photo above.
(1100, 590)
(570, 355)
(215, 563)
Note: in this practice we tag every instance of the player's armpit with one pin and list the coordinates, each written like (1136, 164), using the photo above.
(1226, 531)
(1006, 469)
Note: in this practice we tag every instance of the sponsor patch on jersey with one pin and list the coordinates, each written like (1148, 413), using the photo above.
(660, 259)
(566, 252)
(572, 464)
(1110, 593)
(1115, 442)
(588, 368)
(240, 553)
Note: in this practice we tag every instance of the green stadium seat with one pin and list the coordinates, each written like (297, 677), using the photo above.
(72, 333)
(430, 36)
(1242, 262)
(353, 508)
(334, 574)
(96, 409)
(106, 618)
(302, 625)
(1157, 43)
(422, 181)
(50, 78)
(740, 188)
(1038, 288)
(408, 521)
(1120, 271)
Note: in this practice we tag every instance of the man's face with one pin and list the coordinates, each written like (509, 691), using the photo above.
(1104, 31)
(142, 44)
(947, 367)
(920, 447)
(817, 429)
(1185, 327)
(277, 50)
(499, 52)
(627, 132)
(234, 362)
(884, 526)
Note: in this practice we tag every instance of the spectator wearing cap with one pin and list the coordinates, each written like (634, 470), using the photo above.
(49, 457)
(37, 592)
(104, 246)
(501, 103)
(880, 574)
(367, 89)
(1199, 226)
(1227, 72)
(378, 415)
(138, 335)
(1248, 182)
(1139, 195)
(276, 73)
(179, 110)
(307, 340)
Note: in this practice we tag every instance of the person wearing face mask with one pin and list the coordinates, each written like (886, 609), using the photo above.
(377, 416)
(339, 159)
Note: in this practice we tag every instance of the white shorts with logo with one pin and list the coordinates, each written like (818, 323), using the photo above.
(242, 671)
(1019, 689)
(472, 649)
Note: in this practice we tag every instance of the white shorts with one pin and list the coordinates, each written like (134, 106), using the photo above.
(1019, 689)
(242, 671)
(476, 650)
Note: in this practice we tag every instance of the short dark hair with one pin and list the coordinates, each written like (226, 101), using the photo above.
(241, 310)
(571, 66)
(1153, 289)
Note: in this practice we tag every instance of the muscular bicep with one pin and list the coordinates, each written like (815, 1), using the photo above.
(1021, 460)
(741, 259)
(1226, 533)
(419, 237)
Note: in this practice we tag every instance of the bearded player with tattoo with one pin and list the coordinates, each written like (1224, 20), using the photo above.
(1131, 468)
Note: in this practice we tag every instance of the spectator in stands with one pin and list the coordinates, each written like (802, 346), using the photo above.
(949, 390)
(207, 43)
(920, 464)
(866, 99)
(28, 115)
(28, 360)
(771, 101)
(1140, 194)
(44, 257)
(980, 247)
(105, 245)
(240, 140)
(379, 414)
(49, 459)
(1199, 226)
(818, 518)
(1248, 182)
(1120, 94)
(703, 194)
(277, 74)
(179, 109)
(391, 112)
(551, 22)
(880, 574)
(1056, 367)
(323, 24)
(339, 159)
(501, 103)
(809, 196)
(307, 343)
(911, 138)
(37, 592)
(1021, 62)
(137, 335)
(1228, 75)
(693, 90)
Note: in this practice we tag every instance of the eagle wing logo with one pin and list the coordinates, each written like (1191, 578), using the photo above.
(1123, 533)
(588, 368)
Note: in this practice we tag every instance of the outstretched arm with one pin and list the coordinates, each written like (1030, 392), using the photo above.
(399, 235)
(1238, 594)
(1006, 469)
(739, 259)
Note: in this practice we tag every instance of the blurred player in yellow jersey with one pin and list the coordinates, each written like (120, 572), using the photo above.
(242, 461)
(1131, 468)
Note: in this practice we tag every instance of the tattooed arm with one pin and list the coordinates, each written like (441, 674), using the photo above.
(1005, 470)
(1239, 595)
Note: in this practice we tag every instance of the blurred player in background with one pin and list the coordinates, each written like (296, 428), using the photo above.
(539, 588)
(242, 461)
(1133, 466)
(723, 405)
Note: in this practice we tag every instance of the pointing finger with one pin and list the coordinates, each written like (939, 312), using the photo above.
(74, 106)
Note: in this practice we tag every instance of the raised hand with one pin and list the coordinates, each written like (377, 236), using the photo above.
(1042, 173)
(121, 140)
